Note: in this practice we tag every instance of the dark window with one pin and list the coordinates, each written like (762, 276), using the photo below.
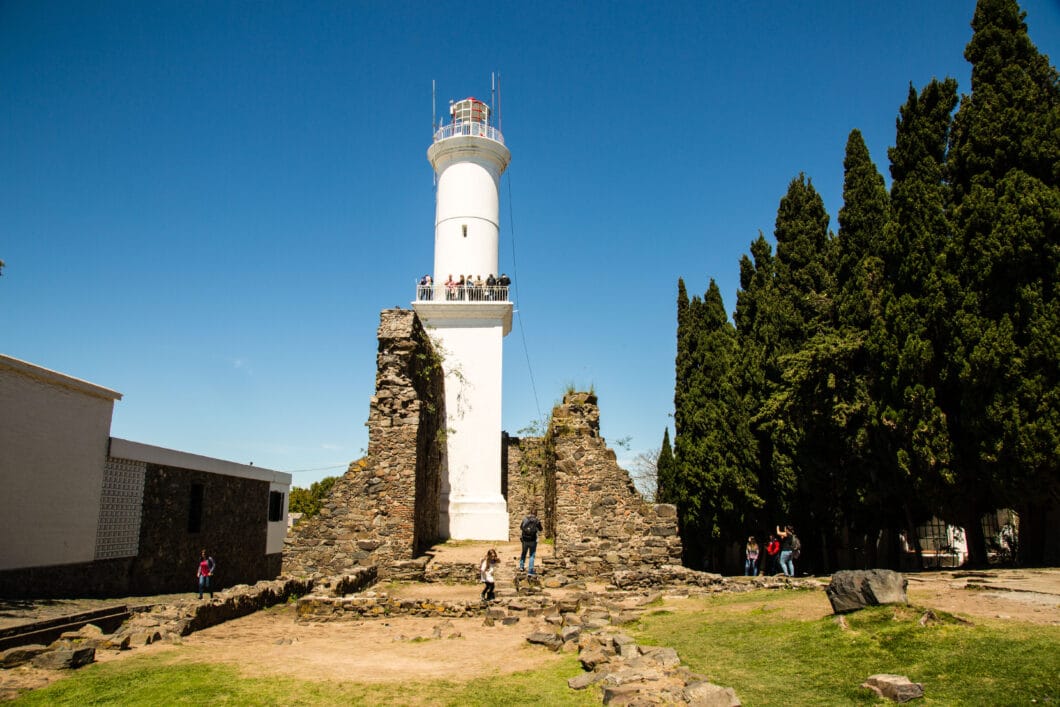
(195, 509)
(275, 506)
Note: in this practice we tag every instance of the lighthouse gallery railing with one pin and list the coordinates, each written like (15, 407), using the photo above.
(468, 128)
(441, 293)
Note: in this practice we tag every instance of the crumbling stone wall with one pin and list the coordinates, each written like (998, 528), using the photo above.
(602, 523)
(384, 509)
(599, 522)
(527, 457)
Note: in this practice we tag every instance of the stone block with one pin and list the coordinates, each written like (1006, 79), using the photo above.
(592, 657)
(897, 688)
(580, 682)
(570, 633)
(621, 694)
(664, 656)
(65, 658)
(705, 694)
(551, 641)
(20, 654)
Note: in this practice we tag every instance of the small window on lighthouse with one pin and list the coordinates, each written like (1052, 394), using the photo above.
(463, 228)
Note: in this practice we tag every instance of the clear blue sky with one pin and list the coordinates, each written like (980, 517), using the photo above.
(205, 205)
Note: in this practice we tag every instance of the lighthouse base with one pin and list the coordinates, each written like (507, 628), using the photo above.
(475, 518)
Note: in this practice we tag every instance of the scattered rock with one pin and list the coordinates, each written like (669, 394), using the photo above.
(445, 630)
(20, 654)
(851, 590)
(551, 641)
(705, 694)
(894, 687)
(580, 682)
(117, 642)
(65, 658)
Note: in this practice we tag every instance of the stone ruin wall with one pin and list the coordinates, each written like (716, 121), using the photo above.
(597, 519)
(526, 482)
(384, 509)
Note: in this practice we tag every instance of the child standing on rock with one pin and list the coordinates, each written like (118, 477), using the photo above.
(485, 571)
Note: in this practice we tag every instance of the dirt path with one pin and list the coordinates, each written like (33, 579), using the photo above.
(1032, 596)
(367, 651)
(399, 649)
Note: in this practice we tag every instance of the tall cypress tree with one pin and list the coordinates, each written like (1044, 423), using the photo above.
(681, 486)
(726, 482)
(865, 213)
(844, 368)
(758, 342)
(1003, 385)
(801, 298)
(665, 468)
(910, 351)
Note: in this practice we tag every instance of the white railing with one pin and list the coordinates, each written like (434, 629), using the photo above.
(441, 293)
(469, 128)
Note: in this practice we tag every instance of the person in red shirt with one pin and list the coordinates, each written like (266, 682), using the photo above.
(772, 551)
(205, 571)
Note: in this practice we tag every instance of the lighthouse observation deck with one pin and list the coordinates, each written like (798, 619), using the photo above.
(462, 294)
(470, 118)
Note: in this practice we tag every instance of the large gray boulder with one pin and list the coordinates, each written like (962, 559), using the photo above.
(851, 590)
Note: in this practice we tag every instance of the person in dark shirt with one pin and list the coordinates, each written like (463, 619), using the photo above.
(529, 529)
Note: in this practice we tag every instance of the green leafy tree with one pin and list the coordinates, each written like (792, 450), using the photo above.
(309, 501)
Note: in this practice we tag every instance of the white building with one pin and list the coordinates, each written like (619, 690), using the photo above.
(93, 515)
(467, 324)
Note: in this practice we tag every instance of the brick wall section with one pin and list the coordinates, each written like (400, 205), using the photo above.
(385, 510)
(601, 523)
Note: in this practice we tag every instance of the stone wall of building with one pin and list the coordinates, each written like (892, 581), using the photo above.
(601, 523)
(228, 520)
(230, 524)
(384, 510)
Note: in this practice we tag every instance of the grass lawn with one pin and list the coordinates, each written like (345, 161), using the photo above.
(751, 642)
(772, 647)
(157, 680)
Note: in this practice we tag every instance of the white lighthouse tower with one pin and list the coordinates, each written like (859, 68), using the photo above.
(467, 324)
